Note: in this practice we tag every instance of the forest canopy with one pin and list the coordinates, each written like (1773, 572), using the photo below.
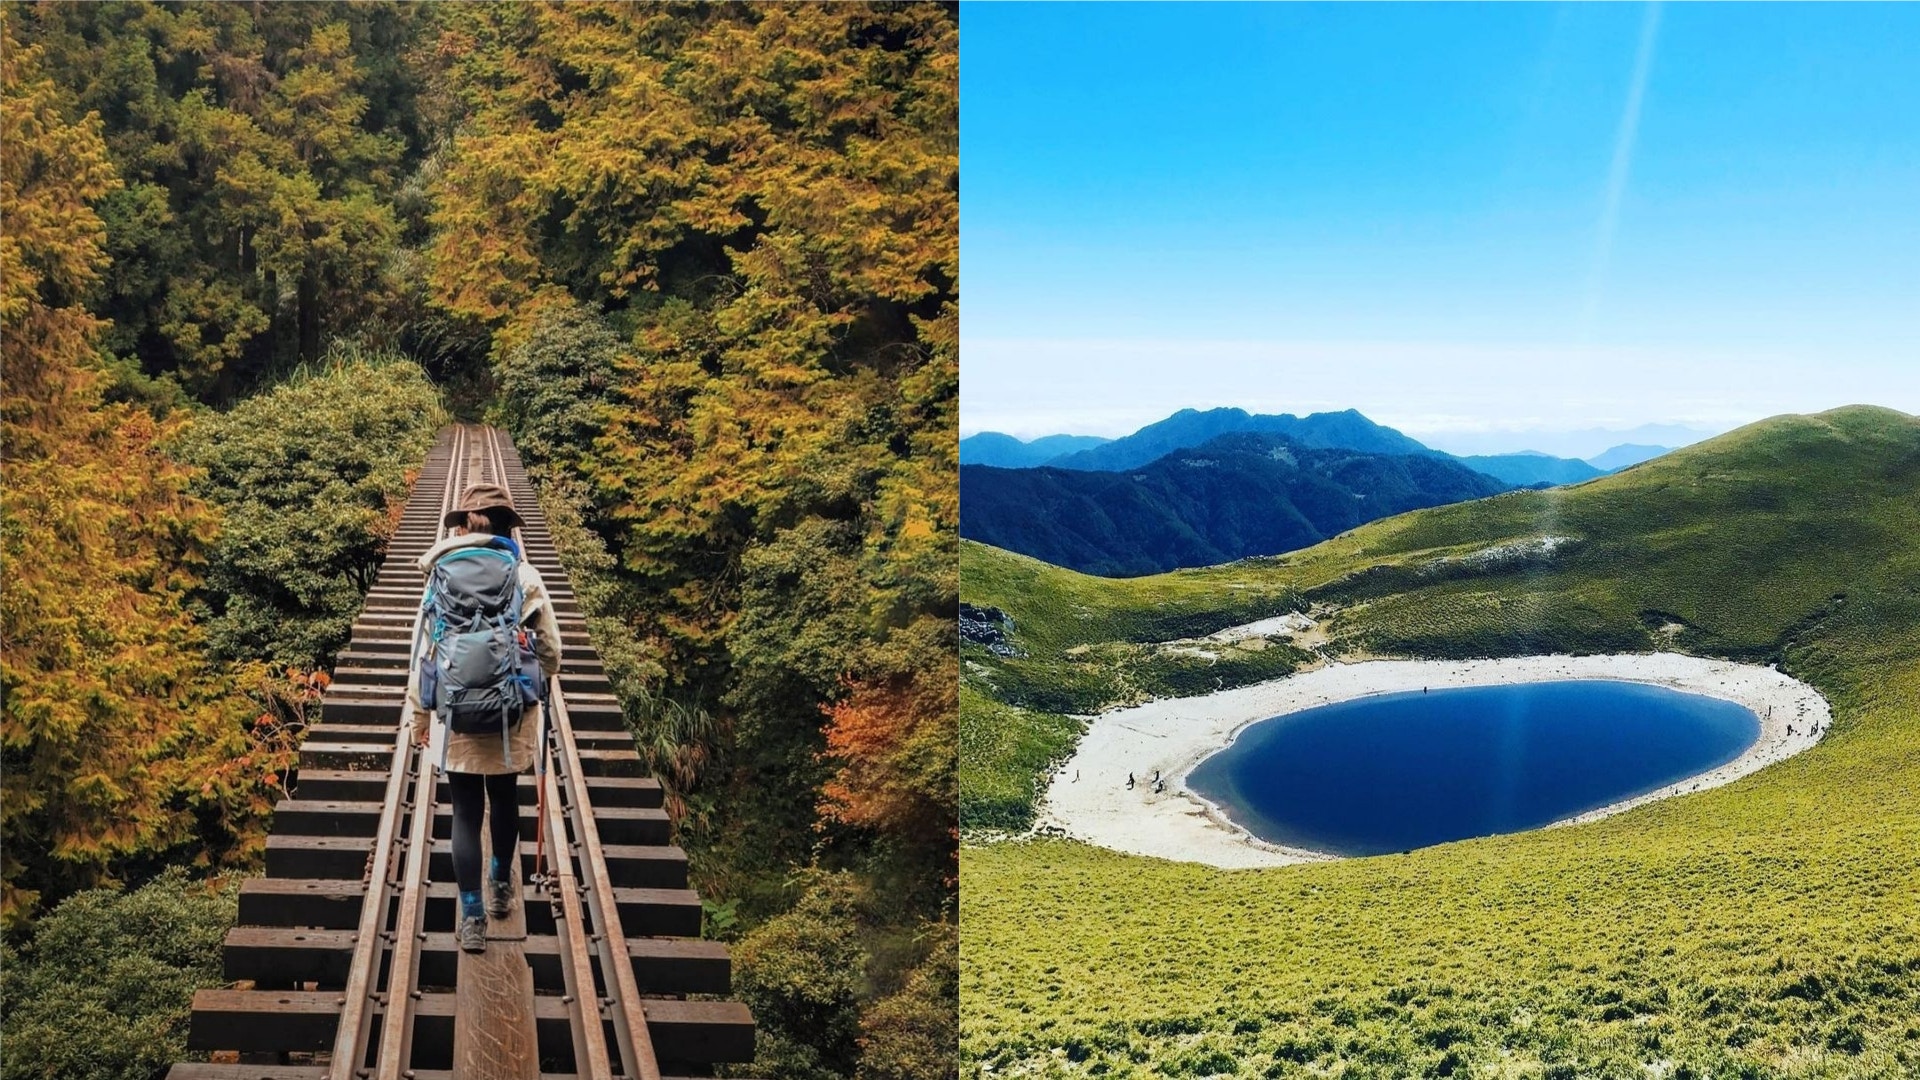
(700, 260)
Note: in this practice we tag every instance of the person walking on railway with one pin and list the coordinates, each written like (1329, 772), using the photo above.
(483, 757)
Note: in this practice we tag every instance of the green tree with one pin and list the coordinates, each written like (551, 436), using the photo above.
(556, 385)
(716, 247)
(259, 157)
(102, 986)
(914, 1033)
(802, 974)
(764, 199)
(310, 477)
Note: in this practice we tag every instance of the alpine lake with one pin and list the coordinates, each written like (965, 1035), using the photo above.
(1393, 772)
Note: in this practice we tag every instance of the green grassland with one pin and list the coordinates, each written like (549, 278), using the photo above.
(1769, 928)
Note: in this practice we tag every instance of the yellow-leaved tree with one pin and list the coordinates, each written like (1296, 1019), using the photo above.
(114, 720)
(717, 249)
(762, 202)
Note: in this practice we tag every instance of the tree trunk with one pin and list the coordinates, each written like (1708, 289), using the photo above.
(308, 307)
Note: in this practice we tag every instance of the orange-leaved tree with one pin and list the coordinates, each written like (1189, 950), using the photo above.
(892, 738)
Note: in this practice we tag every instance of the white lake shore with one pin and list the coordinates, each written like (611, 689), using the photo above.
(1088, 799)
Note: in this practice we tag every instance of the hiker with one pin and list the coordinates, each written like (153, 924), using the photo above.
(1129, 781)
(483, 764)
(1156, 776)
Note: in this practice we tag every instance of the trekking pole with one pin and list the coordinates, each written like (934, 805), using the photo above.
(540, 783)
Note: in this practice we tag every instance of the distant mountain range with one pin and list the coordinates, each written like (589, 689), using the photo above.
(1190, 427)
(1585, 444)
(1235, 495)
(1007, 452)
(1626, 454)
(1348, 430)
(1531, 469)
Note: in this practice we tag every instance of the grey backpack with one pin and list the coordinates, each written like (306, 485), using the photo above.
(479, 670)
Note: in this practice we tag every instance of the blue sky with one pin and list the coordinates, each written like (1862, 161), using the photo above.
(1478, 223)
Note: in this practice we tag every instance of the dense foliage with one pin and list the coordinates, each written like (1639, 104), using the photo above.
(802, 974)
(310, 477)
(100, 987)
(114, 717)
(913, 1032)
(716, 250)
(1762, 929)
(1230, 497)
(259, 149)
(701, 261)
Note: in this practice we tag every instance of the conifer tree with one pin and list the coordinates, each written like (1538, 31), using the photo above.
(256, 216)
(112, 715)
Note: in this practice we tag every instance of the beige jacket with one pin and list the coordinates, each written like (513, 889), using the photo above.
(483, 753)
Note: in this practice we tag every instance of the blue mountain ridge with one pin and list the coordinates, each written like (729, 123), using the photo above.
(1007, 452)
(1619, 457)
(1237, 495)
(1345, 430)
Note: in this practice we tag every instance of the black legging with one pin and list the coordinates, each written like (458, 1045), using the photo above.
(471, 794)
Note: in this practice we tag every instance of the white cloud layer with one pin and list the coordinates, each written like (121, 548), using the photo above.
(1483, 397)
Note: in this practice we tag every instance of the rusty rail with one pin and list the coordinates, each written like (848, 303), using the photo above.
(344, 961)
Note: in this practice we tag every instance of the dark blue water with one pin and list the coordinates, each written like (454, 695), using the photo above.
(1401, 771)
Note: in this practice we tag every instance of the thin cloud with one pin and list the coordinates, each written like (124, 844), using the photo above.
(1036, 386)
(1621, 169)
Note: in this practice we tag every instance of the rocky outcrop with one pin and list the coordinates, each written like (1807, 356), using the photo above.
(988, 626)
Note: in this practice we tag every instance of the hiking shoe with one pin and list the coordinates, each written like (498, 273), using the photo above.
(499, 898)
(472, 934)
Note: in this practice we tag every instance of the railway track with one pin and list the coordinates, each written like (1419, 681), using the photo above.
(344, 958)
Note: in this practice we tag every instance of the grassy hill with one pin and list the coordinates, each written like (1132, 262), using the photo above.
(1770, 928)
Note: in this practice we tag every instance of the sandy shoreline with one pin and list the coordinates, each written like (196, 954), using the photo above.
(1174, 734)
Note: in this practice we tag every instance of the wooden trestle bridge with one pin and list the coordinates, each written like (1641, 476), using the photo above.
(347, 942)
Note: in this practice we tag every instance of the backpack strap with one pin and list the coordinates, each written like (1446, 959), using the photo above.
(519, 601)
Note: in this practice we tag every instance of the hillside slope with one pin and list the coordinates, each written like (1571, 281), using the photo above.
(1234, 496)
(1770, 928)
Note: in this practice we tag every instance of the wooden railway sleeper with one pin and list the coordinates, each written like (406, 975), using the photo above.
(587, 912)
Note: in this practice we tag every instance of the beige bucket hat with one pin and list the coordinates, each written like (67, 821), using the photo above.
(487, 499)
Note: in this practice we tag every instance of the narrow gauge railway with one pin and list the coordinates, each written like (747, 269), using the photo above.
(346, 946)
